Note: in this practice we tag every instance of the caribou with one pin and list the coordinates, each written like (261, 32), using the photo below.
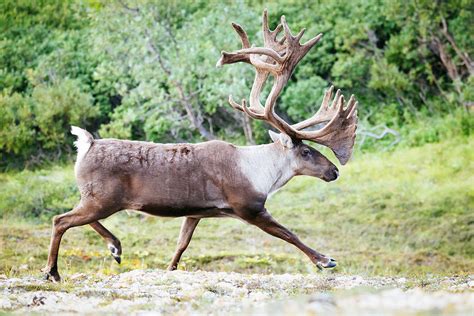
(215, 178)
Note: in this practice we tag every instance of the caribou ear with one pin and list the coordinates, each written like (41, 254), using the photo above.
(274, 136)
(284, 139)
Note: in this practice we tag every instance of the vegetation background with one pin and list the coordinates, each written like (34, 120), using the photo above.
(146, 70)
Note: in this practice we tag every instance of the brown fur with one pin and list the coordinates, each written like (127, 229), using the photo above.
(163, 179)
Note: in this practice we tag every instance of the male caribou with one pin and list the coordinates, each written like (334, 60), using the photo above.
(215, 178)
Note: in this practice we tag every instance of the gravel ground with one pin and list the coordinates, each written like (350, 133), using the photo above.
(184, 293)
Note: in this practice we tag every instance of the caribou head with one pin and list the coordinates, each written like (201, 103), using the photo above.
(278, 58)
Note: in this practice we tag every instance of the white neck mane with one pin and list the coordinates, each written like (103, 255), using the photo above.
(268, 167)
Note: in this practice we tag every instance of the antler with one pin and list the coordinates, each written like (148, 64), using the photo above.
(279, 58)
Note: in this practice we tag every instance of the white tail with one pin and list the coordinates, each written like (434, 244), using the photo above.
(83, 143)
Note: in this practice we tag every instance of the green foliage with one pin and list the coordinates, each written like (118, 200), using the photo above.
(436, 129)
(41, 122)
(409, 213)
(38, 195)
(299, 98)
(416, 130)
(29, 29)
(164, 72)
(147, 69)
(16, 115)
(57, 107)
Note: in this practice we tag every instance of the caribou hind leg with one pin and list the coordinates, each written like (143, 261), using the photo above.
(187, 230)
(267, 223)
(113, 243)
(83, 214)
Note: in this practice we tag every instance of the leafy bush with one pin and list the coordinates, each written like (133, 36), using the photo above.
(57, 107)
(419, 130)
(41, 122)
(16, 133)
(38, 195)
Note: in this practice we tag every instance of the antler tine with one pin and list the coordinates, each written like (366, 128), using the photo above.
(235, 105)
(231, 58)
(327, 98)
(336, 98)
(353, 109)
(288, 34)
(340, 104)
(243, 108)
(235, 57)
(309, 44)
(324, 113)
(339, 133)
(265, 27)
(351, 106)
(300, 34)
(269, 37)
(277, 31)
(262, 51)
(242, 34)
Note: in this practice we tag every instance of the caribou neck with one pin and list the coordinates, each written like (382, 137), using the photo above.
(268, 167)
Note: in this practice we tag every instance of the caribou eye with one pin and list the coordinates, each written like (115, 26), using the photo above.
(305, 152)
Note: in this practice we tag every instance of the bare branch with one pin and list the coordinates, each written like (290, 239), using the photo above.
(463, 55)
(128, 8)
(378, 132)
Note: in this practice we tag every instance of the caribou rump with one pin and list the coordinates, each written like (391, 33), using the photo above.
(215, 178)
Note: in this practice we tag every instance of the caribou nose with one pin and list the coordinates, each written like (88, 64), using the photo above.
(332, 174)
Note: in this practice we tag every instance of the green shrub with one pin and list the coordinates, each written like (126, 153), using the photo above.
(40, 123)
(38, 195)
(418, 130)
(16, 133)
(57, 107)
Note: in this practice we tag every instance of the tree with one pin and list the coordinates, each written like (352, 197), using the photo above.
(164, 69)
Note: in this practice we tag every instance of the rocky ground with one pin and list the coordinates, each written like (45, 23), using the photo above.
(183, 293)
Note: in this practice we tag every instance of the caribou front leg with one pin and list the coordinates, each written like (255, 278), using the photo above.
(267, 223)
(187, 230)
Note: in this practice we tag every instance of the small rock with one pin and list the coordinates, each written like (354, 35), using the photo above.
(5, 303)
(78, 276)
(258, 296)
(23, 267)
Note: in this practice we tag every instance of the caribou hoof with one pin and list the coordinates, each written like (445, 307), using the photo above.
(52, 276)
(116, 252)
(172, 268)
(331, 263)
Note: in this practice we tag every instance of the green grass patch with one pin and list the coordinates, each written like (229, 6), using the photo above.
(409, 212)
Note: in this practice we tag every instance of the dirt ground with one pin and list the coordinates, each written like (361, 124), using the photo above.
(185, 293)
